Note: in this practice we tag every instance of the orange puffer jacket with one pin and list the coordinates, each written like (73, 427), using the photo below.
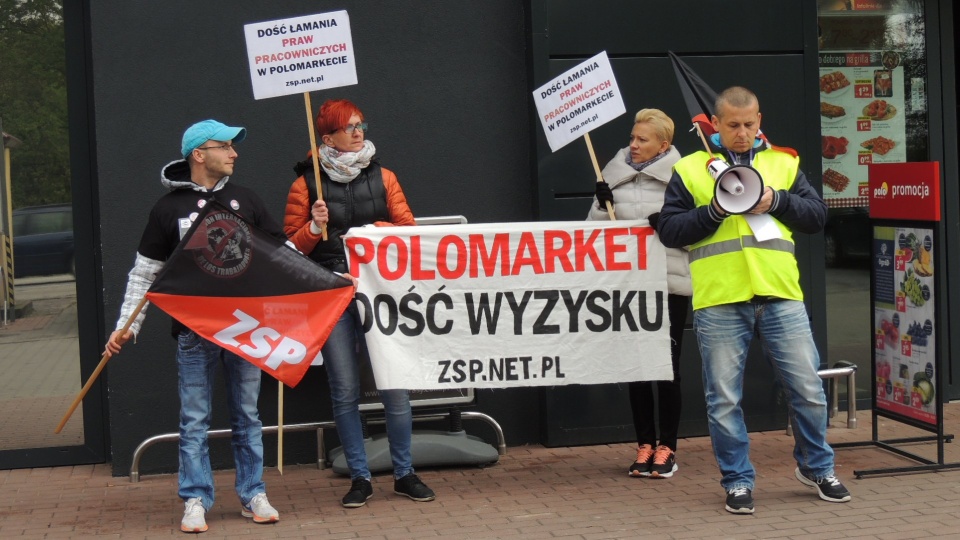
(350, 205)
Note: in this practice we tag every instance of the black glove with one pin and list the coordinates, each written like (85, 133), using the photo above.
(604, 194)
(654, 218)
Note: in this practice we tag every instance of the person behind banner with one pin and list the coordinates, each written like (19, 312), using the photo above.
(203, 175)
(742, 287)
(357, 191)
(634, 182)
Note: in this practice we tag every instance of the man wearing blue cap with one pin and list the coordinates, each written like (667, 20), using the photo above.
(202, 175)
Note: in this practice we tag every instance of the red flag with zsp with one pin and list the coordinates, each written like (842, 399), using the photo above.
(246, 291)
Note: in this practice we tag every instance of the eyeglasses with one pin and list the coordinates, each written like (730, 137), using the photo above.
(227, 147)
(350, 128)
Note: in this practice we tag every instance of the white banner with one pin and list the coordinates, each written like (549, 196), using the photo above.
(578, 101)
(302, 54)
(512, 304)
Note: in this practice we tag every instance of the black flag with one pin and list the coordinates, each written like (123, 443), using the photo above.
(244, 290)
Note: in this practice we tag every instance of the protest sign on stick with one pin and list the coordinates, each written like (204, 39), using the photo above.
(301, 54)
(578, 101)
(280, 427)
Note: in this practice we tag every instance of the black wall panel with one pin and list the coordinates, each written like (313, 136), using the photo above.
(443, 86)
(684, 26)
(726, 44)
(446, 89)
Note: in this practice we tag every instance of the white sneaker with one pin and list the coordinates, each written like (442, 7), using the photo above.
(193, 520)
(260, 510)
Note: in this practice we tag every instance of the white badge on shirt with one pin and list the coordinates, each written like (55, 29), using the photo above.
(184, 226)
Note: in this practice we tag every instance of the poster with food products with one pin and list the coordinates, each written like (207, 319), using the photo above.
(862, 120)
(904, 316)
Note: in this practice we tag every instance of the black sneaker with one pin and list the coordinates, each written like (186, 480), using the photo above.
(664, 463)
(360, 491)
(411, 486)
(641, 466)
(739, 501)
(829, 488)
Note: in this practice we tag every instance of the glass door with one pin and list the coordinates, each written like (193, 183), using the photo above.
(873, 109)
(39, 339)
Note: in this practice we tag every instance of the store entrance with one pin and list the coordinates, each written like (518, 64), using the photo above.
(873, 109)
(46, 252)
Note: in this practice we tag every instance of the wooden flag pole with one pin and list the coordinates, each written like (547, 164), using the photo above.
(313, 152)
(280, 427)
(696, 126)
(99, 368)
(596, 167)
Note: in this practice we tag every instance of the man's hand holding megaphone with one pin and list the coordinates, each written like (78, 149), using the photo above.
(766, 202)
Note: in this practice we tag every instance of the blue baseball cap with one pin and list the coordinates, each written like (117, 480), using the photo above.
(207, 130)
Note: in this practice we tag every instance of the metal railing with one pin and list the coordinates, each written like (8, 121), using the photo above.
(833, 375)
(454, 415)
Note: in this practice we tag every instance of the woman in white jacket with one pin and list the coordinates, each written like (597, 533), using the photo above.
(634, 182)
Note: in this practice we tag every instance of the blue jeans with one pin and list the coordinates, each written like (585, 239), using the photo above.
(343, 353)
(724, 334)
(197, 359)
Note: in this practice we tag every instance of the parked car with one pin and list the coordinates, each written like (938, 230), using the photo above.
(847, 235)
(43, 240)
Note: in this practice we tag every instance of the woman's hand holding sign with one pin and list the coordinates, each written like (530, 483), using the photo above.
(319, 213)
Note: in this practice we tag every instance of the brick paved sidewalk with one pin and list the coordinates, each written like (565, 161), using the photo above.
(533, 492)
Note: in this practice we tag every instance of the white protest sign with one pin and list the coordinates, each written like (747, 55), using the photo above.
(512, 304)
(579, 100)
(301, 54)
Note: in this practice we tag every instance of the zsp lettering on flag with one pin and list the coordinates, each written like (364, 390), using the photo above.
(507, 305)
(578, 101)
(301, 54)
(246, 291)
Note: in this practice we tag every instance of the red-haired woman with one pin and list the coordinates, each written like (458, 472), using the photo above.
(357, 191)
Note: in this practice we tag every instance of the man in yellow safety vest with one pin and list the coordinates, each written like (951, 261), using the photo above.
(747, 283)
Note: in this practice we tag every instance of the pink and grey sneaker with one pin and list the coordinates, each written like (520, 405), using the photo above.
(641, 467)
(664, 462)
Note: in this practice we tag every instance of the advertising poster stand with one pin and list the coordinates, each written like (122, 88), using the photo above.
(907, 355)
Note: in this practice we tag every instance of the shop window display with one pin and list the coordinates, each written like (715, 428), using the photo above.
(873, 109)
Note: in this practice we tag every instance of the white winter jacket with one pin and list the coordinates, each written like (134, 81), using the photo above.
(636, 195)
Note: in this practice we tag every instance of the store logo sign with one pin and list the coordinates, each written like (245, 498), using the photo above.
(881, 191)
(907, 191)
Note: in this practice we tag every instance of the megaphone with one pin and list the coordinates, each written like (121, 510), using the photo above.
(738, 188)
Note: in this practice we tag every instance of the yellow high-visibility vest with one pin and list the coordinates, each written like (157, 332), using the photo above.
(731, 265)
